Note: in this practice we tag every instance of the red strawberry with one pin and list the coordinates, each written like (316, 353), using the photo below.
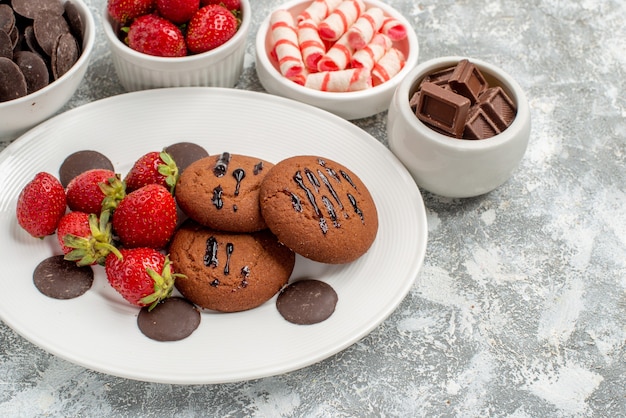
(86, 239)
(124, 11)
(229, 4)
(143, 276)
(146, 217)
(152, 168)
(74, 223)
(40, 205)
(94, 190)
(177, 11)
(210, 27)
(154, 35)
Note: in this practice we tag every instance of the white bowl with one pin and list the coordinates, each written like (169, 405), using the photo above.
(348, 105)
(219, 67)
(453, 167)
(19, 115)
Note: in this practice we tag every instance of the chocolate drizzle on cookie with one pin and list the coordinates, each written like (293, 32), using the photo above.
(348, 179)
(258, 167)
(210, 256)
(331, 211)
(330, 188)
(296, 202)
(300, 182)
(229, 252)
(217, 197)
(221, 166)
(245, 272)
(356, 207)
(239, 174)
(314, 180)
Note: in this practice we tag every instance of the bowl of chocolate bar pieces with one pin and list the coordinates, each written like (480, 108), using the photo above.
(45, 46)
(343, 56)
(460, 125)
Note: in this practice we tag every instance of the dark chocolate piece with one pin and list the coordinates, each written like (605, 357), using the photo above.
(58, 278)
(172, 319)
(479, 125)
(467, 80)
(440, 78)
(12, 81)
(6, 45)
(15, 37)
(490, 111)
(81, 161)
(48, 26)
(414, 100)
(7, 18)
(34, 69)
(185, 153)
(307, 302)
(30, 8)
(75, 21)
(499, 106)
(442, 109)
(31, 41)
(64, 55)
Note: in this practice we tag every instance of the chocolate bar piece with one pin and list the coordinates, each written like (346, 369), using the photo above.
(441, 77)
(414, 100)
(499, 106)
(442, 109)
(479, 125)
(467, 80)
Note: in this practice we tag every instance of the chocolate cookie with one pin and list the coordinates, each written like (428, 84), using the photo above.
(319, 208)
(222, 192)
(229, 272)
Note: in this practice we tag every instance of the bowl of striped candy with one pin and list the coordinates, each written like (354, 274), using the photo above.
(343, 56)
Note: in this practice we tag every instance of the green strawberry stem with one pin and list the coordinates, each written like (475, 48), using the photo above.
(169, 170)
(93, 249)
(163, 284)
(114, 191)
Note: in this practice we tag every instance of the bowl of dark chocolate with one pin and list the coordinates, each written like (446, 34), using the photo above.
(460, 125)
(45, 48)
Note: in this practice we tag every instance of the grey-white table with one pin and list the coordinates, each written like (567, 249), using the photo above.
(520, 308)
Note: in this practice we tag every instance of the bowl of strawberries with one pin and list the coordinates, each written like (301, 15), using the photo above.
(177, 43)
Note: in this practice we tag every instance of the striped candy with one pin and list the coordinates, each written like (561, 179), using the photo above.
(337, 45)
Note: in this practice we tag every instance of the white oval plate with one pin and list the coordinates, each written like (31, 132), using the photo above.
(98, 330)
